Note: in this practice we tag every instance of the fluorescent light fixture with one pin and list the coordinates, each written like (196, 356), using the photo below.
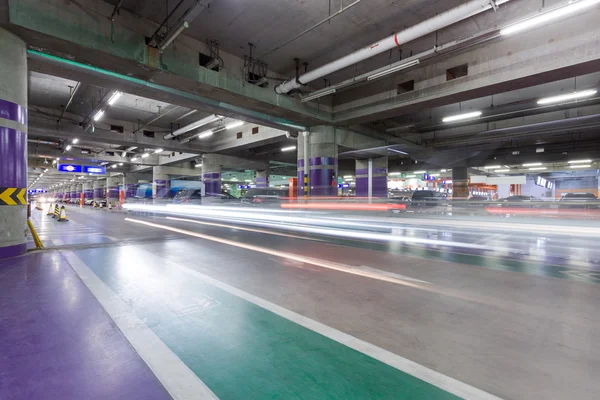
(317, 95)
(134, 159)
(462, 117)
(198, 165)
(502, 170)
(533, 164)
(537, 168)
(289, 148)
(234, 124)
(114, 98)
(393, 69)
(411, 176)
(580, 166)
(158, 151)
(419, 172)
(579, 161)
(443, 170)
(248, 180)
(114, 166)
(352, 176)
(145, 155)
(392, 174)
(542, 19)
(205, 134)
(493, 167)
(120, 164)
(46, 170)
(68, 147)
(567, 97)
(98, 115)
(75, 141)
(194, 125)
(57, 158)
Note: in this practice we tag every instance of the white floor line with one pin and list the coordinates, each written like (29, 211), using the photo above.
(444, 382)
(58, 242)
(175, 376)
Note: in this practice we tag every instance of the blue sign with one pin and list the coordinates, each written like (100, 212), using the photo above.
(69, 168)
(94, 170)
(427, 177)
(343, 185)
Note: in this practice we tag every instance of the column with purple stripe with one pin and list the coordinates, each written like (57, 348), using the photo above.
(13, 144)
(323, 176)
(379, 177)
(212, 183)
(262, 178)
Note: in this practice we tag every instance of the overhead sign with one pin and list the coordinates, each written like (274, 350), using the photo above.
(427, 177)
(69, 168)
(94, 170)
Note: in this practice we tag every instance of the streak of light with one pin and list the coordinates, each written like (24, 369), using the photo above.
(239, 228)
(344, 206)
(364, 272)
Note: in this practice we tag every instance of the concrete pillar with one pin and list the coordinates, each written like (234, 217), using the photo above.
(99, 193)
(161, 181)
(303, 150)
(112, 190)
(371, 177)
(88, 192)
(323, 161)
(262, 178)
(73, 193)
(211, 176)
(460, 183)
(131, 185)
(13, 145)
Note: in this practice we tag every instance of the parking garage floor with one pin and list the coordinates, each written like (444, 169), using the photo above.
(153, 307)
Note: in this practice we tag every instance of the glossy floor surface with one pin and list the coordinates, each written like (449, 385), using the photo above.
(242, 312)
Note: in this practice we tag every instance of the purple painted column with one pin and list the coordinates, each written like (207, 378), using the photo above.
(323, 176)
(13, 145)
(262, 178)
(212, 183)
(301, 178)
(379, 177)
(131, 190)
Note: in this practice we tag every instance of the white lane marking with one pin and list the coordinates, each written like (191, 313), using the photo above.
(175, 376)
(419, 371)
(58, 242)
(290, 256)
(390, 274)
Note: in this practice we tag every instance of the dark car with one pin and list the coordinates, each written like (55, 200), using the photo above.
(428, 198)
(579, 200)
(188, 196)
(519, 201)
(264, 196)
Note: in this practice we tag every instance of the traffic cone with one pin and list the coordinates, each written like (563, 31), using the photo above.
(56, 211)
(109, 206)
(63, 214)
(100, 205)
(50, 210)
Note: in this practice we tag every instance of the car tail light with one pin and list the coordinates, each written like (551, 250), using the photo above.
(257, 200)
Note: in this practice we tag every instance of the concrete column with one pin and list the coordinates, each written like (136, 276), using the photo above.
(131, 185)
(112, 190)
(262, 178)
(162, 182)
(88, 192)
(371, 177)
(460, 183)
(13, 145)
(211, 176)
(73, 193)
(99, 189)
(303, 152)
(323, 161)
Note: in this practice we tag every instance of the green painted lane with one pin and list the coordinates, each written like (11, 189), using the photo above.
(240, 350)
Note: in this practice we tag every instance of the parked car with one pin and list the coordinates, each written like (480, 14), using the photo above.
(88, 202)
(428, 198)
(579, 200)
(188, 196)
(264, 196)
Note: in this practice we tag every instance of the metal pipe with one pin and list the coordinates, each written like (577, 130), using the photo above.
(69, 101)
(187, 114)
(304, 32)
(153, 37)
(194, 125)
(440, 21)
(156, 118)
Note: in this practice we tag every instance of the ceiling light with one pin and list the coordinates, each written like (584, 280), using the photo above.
(197, 124)
(393, 69)
(352, 176)
(205, 134)
(317, 95)
(546, 17)
(538, 169)
(120, 164)
(114, 166)
(289, 148)
(393, 173)
(580, 166)
(198, 165)
(234, 124)
(502, 170)
(493, 167)
(158, 151)
(57, 158)
(443, 170)
(462, 117)
(68, 147)
(98, 115)
(579, 161)
(114, 98)
(411, 176)
(134, 159)
(145, 155)
(534, 164)
(567, 97)
(46, 170)
(75, 141)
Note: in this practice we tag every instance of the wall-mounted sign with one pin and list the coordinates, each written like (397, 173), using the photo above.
(343, 185)
(69, 168)
(427, 177)
(94, 170)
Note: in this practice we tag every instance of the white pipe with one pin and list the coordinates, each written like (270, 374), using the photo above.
(440, 21)
(194, 125)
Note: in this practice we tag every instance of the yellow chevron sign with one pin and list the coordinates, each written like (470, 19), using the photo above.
(12, 196)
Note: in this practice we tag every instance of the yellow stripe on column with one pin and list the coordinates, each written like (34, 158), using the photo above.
(5, 198)
(21, 196)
